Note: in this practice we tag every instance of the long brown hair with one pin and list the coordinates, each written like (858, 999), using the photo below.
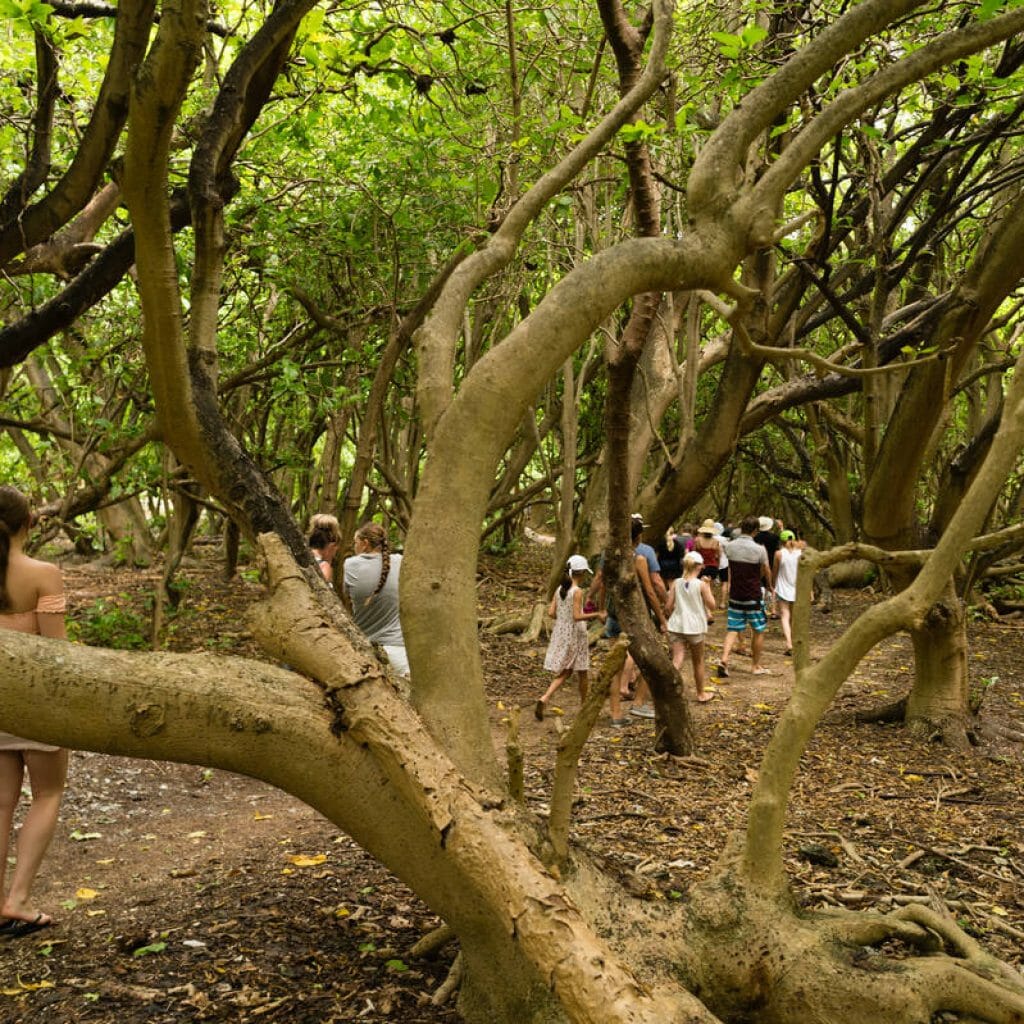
(15, 512)
(375, 535)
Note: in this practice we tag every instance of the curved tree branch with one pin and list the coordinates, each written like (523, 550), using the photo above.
(436, 339)
(79, 181)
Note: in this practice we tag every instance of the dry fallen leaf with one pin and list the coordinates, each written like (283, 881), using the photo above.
(302, 860)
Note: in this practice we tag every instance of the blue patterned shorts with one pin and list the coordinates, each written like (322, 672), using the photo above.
(740, 618)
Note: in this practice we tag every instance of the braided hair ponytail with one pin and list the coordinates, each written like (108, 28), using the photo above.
(15, 512)
(375, 535)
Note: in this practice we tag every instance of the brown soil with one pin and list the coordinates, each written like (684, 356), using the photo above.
(184, 894)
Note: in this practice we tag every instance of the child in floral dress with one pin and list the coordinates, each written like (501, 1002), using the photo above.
(569, 649)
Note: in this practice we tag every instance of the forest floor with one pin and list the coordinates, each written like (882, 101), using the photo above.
(185, 894)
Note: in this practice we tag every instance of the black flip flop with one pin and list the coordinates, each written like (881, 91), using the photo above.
(19, 929)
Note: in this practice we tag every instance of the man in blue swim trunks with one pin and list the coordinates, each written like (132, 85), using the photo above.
(748, 573)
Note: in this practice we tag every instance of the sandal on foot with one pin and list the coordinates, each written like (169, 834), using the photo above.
(722, 670)
(19, 928)
(762, 671)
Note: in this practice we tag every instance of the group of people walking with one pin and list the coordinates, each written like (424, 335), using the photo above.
(755, 570)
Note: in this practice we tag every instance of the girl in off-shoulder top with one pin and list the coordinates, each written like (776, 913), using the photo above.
(31, 601)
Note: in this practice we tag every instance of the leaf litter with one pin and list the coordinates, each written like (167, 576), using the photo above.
(225, 900)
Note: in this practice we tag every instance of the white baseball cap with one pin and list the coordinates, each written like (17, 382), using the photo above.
(694, 557)
(577, 563)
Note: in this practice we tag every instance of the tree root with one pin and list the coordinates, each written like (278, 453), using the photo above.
(970, 952)
(1006, 732)
(752, 957)
(450, 984)
(538, 626)
(433, 941)
(893, 712)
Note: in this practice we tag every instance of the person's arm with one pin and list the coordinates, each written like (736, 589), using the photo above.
(670, 601)
(775, 568)
(579, 615)
(766, 574)
(709, 597)
(659, 587)
(553, 607)
(644, 572)
(51, 585)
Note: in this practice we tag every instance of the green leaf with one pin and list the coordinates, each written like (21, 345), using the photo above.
(153, 947)
(990, 8)
(752, 35)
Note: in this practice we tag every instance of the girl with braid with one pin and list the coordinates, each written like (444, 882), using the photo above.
(31, 601)
(370, 590)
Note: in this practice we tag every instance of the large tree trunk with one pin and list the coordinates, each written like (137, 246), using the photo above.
(938, 701)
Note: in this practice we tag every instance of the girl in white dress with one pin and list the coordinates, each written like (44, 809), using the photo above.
(689, 607)
(569, 649)
(784, 579)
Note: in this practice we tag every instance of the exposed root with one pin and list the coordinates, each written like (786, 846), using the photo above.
(538, 626)
(433, 941)
(968, 949)
(894, 712)
(450, 984)
(951, 731)
(756, 959)
(1005, 731)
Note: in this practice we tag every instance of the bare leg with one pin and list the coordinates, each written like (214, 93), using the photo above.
(47, 773)
(699, 676)
(12, 772)
(784, 621)
(615, 692)
(678, 654)
(730, 640)
(756, 649)
(643, 691)
(555, 684)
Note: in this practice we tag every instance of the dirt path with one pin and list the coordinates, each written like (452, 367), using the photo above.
(189, 895)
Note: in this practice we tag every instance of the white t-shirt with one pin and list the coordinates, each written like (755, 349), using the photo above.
(378, 619)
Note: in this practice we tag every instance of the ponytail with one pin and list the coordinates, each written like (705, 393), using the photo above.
(563, 587)
(374, 535)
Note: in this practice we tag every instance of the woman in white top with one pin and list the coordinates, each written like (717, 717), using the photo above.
(31, 601)
(690, 603)
(784, 580)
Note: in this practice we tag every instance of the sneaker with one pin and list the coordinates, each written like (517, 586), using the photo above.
(788, 652)
(538, 711)
(619, 723)
(642, 711)
(722, 670)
